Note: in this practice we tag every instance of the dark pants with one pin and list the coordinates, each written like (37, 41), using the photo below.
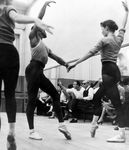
(75, 109)
(72, 102)
(35, 80)
(40, 107)
(126, 110)
(79, 105)
(9, 69)
(110, 78)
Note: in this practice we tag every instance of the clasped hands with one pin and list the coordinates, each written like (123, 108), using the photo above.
(69, 67)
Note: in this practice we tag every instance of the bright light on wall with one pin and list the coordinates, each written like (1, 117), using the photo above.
(24, 1)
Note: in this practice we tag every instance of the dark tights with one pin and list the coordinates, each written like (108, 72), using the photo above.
(35, 80)
(110, 78)
(9, 69)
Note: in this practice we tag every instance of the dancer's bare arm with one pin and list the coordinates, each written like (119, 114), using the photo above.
(85, 57)
(43, 9)
(126, 14)
(32, 35)
(57, 59)
(23, 19)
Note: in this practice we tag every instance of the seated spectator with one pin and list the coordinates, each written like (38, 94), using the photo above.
(121, 92)
(88, 92)
(108, 107)
(40, 103)
(63, 101)
(77, 90)
(43, 102)
(126, 103)
(122, 98)
(69, 97)
(96, 89)
(65, 97)
(53, 115)
(83, 95)
(86, 100)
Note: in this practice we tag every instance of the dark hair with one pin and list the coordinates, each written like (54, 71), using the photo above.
(78, 82)
(70, 86)
(42, 31)
(126, 81)
(32, 27)
(110, 24)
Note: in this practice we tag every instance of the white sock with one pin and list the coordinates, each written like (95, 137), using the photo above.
(12, 128)
(62, 123)
(122, 132)
(31, 131)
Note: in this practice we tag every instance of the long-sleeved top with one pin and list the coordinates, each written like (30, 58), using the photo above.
(109, 47)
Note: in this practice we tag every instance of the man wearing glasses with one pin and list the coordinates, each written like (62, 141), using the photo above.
(89, 92)
(81, 95)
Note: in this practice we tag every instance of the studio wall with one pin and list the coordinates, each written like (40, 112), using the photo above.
(76, 30)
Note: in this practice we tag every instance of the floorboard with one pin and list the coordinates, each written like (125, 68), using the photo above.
(54, 140)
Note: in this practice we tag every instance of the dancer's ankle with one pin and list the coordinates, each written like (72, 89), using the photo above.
(31, 131)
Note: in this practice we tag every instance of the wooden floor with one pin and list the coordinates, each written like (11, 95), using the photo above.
(54, 140)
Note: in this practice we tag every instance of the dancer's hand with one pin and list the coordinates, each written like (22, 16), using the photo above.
(70, 67)
(43, 26)
(59, 83)
(48, 3)
(125, 5)
(66, 65)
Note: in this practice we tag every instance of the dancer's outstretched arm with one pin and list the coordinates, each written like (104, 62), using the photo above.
(126, 14)
(23, 19)
(85, 57)
(90, 54)
(40, 16)
(125, 45)
(43, 9)
(125, 5)
(57, 59)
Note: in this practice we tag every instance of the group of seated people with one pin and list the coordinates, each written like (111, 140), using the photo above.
(77, 94)
(43, 103)
(70, 98)
(107, 107)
